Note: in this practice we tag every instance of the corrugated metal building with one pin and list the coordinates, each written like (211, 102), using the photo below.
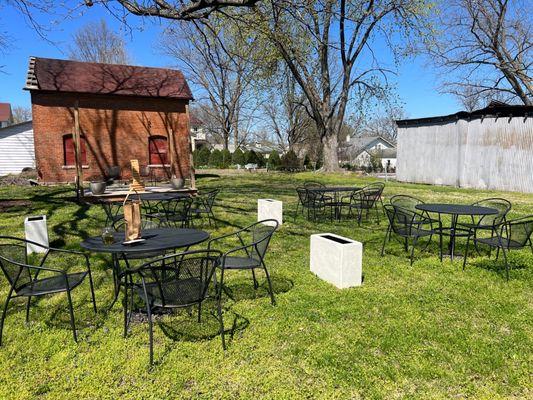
(491, 148)
(16, 148)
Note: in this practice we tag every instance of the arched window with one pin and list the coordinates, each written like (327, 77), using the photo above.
(69, 154)
(158, 149)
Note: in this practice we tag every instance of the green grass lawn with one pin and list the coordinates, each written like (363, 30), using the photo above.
(427, 331)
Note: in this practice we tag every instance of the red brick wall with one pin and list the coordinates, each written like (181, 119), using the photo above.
(116, 130)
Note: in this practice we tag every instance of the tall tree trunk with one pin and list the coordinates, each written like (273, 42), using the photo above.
(331, 157)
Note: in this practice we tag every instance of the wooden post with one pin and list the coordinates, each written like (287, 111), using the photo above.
(191, 160)
(77, 151)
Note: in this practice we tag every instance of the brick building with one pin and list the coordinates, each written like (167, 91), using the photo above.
(125, 112)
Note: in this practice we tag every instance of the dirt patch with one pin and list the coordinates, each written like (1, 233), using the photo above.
(6, 205)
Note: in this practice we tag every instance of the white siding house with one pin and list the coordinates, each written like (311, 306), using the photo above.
(490, 148)
(16, 148)
(358, 151)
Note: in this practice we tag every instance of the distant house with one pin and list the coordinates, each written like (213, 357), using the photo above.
(6, 117)
(16, 148)
(125, 112)
(198, 136)
(358, 151)
(264, 148)
(490, 148)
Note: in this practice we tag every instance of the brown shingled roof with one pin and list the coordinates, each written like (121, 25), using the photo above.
(83, 77)
(5, 112)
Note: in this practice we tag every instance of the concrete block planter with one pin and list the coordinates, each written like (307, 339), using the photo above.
(36, 230)
(270, 209)
(337, 260)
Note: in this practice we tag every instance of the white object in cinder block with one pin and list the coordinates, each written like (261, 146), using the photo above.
(270, 209)
(36, 230)
(337, 260)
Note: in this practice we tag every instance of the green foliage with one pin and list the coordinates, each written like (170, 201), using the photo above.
(261, 161)
(274, 161)
(215, 160)
(290, 161)
(251, 157)
(238, 157)
(308, 163)
(427, 331)
(226, 159)
(201, 156)
(375, 163)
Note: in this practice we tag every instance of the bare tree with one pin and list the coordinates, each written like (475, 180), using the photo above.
(485, 50)
(218, 63)
(95, 42)
(21, 114)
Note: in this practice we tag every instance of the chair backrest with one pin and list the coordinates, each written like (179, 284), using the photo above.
(259, 237)
(181, 279)
(518, 231)
(405, 202)
(313, 184)
(113, 211)
(208, 198)
(368, 195)
(503, 206)
(400, 219)
(14, 261)
(146, 223)
(302, 195)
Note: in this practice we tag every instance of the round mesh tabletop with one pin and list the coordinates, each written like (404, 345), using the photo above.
(456, 209)
(155, 240)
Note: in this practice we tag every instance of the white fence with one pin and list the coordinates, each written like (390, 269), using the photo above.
(488, 153)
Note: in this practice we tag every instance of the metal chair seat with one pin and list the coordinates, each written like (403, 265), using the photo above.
(235, 262)
(500, 242)
(53, 284)
(415, 232)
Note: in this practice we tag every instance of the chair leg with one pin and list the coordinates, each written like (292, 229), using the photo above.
(385, 240)
(4, 313)
(440, 245)
(272, 299)
(219, 306)
(71, 311)
(466, 250)
(413, 249)
(125, 307)
(199, 312)
(506, 264)
(92, 292)
(28, 309)
(256, 285)
(151, 331)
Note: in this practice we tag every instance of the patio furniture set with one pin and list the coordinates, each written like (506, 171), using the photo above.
(169, 276)
(411, 220)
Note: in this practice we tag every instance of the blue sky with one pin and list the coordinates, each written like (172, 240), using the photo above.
(416, 83)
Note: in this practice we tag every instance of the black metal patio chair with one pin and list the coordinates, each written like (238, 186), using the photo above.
(364, 200)
(410, 226)
(28, 279)
(406, 202)
(488, 223)
(203, 204)
(177, 212)
(250, 253)
(316, 203)
(113, 211)
(178, 280)
(509, 235)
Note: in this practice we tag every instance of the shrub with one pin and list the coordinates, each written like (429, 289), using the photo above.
(251, 157)
(226, 159)
(215, 160)
(238, 157)
(290, 161)
(273, 160)
(201, 156)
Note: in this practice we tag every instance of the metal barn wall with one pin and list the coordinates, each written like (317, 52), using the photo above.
(16, 148)
(489, 153)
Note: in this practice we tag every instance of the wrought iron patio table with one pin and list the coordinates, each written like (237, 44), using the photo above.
(160, 239)
(455, 211)
(337, 192)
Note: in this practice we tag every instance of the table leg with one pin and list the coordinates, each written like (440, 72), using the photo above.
(116, 280)
(452, 235)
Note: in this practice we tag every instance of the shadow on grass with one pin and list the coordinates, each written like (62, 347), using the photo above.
(245, 291)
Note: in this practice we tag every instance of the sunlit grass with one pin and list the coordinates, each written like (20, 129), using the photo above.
(427, 331)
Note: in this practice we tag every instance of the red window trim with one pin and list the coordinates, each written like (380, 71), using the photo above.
(69, 155)
(158, 150)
